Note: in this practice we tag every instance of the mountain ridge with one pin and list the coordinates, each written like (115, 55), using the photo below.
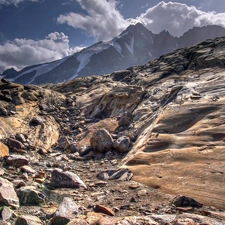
(134, 46)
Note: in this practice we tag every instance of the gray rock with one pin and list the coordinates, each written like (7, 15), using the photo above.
(12, 143)
(21, 137)
(28, 220)
(27, 169)
(17, 160)
(7, 213)
(28, 195)
(185, 201)
(36, 121)
(7, 194)
(60, 179)
(126, 119)
(65, 212)
(3, 111)
(122, 144)
(101, 140)
(121, 174)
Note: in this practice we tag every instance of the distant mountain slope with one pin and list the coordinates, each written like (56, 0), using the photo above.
(134, 46)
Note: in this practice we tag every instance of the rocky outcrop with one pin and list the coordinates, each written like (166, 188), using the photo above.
(163, 161)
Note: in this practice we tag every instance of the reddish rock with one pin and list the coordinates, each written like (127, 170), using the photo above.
(4, 150)
(104, 209)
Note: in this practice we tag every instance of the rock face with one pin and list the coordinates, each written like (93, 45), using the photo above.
(177, 107)
(164, 126)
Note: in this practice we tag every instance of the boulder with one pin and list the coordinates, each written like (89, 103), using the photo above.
(122, 144)
(185, 201)
(4, 150)
(101, 140)
(65, 212)
(7, 213)
(17, 160)
(28, 220)
(7, 194)
(12, 143)
(60, 179)
(28, 195)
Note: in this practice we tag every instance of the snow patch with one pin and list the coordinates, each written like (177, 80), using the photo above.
(131, 46)
(41, 69)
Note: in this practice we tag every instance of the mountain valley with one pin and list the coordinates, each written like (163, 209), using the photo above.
(143, 145)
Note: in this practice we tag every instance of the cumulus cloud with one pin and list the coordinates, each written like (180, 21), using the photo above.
(23, 52)
(177, 18)
(14, 2)
(103, 20)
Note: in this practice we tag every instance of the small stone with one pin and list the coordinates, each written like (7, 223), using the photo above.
(17, 160)
(18, 183)
(8, 195)
(27, 169)
(142, 192)
(29, 195)
(3, 111)
(60, 179)
(122, 144)
(21, 137)
(7, 213)
(36, 121)
(12, 143)
(104, 209)
(65, 212)
(126, 119)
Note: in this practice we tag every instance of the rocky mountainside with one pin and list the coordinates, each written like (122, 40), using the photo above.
(139, 146)
(135, 46)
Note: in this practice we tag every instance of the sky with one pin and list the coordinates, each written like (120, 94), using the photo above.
(38, 31)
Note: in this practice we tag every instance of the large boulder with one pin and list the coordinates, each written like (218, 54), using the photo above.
(101, 140)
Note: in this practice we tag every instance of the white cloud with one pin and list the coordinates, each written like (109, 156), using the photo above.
(177, 18)
(14, 2)
(23, 52)
(103, 21)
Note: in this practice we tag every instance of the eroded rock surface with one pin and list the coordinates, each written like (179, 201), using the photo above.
(165, 123)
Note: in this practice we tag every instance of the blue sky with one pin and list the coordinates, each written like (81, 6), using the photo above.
(37, 31)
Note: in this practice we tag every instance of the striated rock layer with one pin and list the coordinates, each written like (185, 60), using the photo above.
(177, 102)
